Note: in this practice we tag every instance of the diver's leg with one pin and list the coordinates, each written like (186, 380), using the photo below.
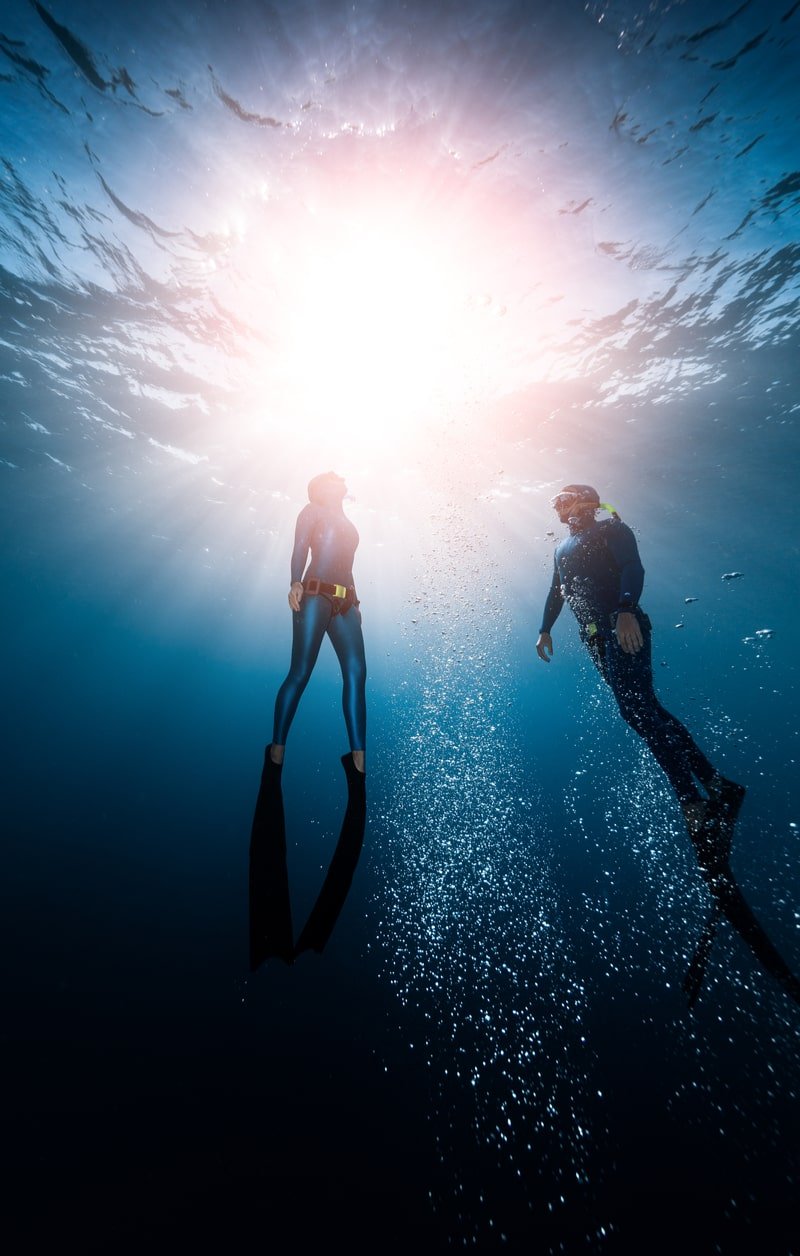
(709, 820)
(308, 629)
(676, 732)
(348, 642)
(726, 795)
(631, 679)
(699, 765)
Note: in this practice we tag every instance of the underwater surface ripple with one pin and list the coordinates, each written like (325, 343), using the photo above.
(530, 1030)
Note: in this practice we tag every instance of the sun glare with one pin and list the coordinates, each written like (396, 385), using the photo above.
(380, 330)
(373, 334)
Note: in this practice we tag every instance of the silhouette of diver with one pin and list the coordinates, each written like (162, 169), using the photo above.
(598, 572)
(323, 600)
(270, 908)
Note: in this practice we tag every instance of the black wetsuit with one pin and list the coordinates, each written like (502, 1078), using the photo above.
(599, 573)
(332, 540)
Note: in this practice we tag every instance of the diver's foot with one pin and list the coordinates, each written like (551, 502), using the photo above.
(710, 838)
(725, 798)
(272, 775)
(358, 760)
(355, 779)
(728, 796)
(276, 754)
(696, 813)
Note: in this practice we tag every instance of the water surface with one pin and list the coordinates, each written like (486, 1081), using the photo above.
(463, 254)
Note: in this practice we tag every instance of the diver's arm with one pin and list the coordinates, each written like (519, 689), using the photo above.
(302, 544)
(622, 544)
(625, 551)
(552, 610)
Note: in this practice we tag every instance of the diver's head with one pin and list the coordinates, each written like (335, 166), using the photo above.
(327, 489)
(576, 501)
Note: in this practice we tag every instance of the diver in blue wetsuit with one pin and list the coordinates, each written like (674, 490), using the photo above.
(323, 600)
(598, 572)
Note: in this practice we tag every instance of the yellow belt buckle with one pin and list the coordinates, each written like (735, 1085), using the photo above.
(591, 629)
(339, 590)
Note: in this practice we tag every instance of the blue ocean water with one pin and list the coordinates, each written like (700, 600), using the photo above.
(464, 254)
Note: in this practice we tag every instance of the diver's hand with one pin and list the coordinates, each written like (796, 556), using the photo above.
(629, 634)
(544, 647)
(296, 595)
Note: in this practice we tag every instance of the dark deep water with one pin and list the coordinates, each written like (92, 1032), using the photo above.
(580, 230)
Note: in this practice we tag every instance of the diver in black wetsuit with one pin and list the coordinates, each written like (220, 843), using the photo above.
(598, 572)
(323, 600)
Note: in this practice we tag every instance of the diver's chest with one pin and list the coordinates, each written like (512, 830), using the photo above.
(585, 556)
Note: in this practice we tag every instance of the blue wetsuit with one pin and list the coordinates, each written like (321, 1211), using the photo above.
(598, 572)
(332, 540)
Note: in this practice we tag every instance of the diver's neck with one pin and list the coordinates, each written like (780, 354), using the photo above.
(580, 523)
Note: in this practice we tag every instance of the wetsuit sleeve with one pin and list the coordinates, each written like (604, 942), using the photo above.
(302, 542)
(554, 603)
(622, 544)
